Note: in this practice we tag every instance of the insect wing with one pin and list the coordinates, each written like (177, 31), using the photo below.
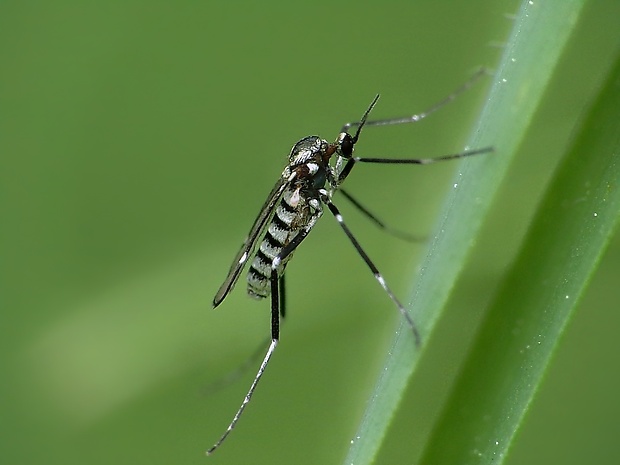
(246, 249)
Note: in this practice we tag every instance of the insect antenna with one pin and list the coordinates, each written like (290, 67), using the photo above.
(361, 122)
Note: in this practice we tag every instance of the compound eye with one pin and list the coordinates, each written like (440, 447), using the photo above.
(346, 145)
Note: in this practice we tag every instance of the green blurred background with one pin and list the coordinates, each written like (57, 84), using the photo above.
(139, 140)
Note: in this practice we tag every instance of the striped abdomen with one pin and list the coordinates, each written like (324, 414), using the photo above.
(291, 216)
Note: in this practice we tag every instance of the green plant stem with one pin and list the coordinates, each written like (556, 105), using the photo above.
(563, 246)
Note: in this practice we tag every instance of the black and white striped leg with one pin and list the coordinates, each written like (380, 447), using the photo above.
(334, 210)
(277, 309)
(275, 336)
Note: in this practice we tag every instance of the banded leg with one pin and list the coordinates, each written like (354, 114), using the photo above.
(275, 336)
(405, 161)
(277, 309)
(334, 210)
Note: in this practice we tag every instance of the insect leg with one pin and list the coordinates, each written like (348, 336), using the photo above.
(334, 210)
(422, 161)
(275, 305)
(419, 116)
(394, 232)
(282, 297)
(275, 335)
(277, 309)
(404, 161)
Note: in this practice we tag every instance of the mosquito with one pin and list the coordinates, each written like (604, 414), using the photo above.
(293, 207)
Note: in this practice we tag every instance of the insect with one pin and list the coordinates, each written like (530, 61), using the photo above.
(293, 207)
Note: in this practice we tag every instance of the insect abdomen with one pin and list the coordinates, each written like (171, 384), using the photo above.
(284, 226)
